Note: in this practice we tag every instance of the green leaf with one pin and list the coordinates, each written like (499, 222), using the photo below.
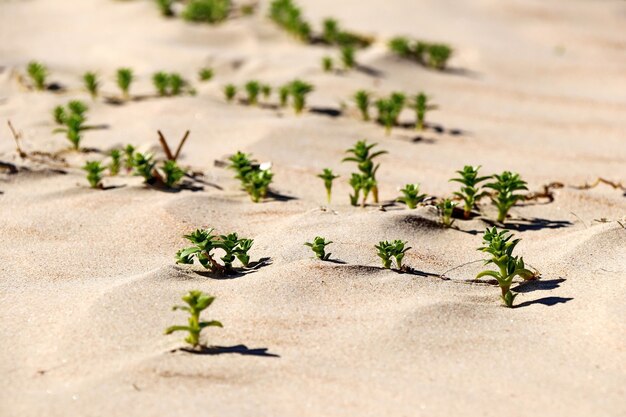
(173, 329)
(212, 323)
(493, 274)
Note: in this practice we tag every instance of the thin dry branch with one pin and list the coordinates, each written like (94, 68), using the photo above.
(17, 136)
(180, 145)
(168, 150)
(546, 192)
(600, 180)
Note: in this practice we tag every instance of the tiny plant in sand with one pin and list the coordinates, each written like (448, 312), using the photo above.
(434, 55)
(411, 195)
(230, 91)
(38, 74)
(327, 64)
(255, 179)
(389, 110)
(388, 251)
(168, 84)
(144, 164)
(266, 91)
(288, 16)
(364, 158)
(205, 243)
(207, 11)
(176, 84)
(348, 56)
(73, 119)
(356, 182)
(362, 100)
(161, 82)
(319, 247)
(299, 91)
(90, 79)
(328, 176)
(197, 302)
(470, 191)
(94, 173)
(330, 30)
(129, 157)
(401, 46)
(505, 186)
(438, 55)
(124, 80)
(283, 95)
(500, 246)
(421, 106)
(205, 74)
(253, 88)
(446, 208)
(116, 162)
(172, 173)
(165, 7)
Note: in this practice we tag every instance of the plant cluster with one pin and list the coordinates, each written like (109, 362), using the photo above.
(168, 174)
(328, 176)
(205, 74)
(172, 84)
(204, 246)
(207, 11)
(289, 16)
(73, 118)
(411, 195)
(333, 34)
(318, 246)
(255, 178)
(388, 251)
(389, 110)
(500, 248)
(296, 89)
(433, 55)
(197, 302)
(38, 74)
(94, 171)
(365, 180)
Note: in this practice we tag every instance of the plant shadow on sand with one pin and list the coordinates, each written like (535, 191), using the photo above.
(530, 224)
(274, 195)
(238, 272)
(221, 350)
(546, 301)
(541, 285)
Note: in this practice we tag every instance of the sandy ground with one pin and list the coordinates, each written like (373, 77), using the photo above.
(88, 277)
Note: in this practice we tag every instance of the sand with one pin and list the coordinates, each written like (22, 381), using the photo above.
(88, 276)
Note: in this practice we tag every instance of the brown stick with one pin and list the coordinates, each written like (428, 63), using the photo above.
(586, 186)
(165, 146)
(180, 145)
(17, 136)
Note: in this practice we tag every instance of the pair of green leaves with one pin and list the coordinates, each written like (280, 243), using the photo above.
(388, 251)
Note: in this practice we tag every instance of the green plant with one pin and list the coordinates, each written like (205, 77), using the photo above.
(144, 164)
(387, 251)
(328, 176)
(176, 84)
(255, 179)
(161, 81)
(505, 186)
(389, 110)
(207, 11)
(283, 94)
(94, 173)
(348, 56)
(73, 119)
(165, 7)
(411, 196)
(421, 106)
(116, 162)
(124, 80)
(365, 162)
(205, 243)
(500, 246)
(438, 55)
(197, 302)
(38, 74)
(446, 208)
(229, 92)
(330, 30)
(266, 91)
(327, 64)
(470, 191)
(129, 157)
(173, 173)
(368, 184)
(362, 99)
(90, 79)
(299, 91)
(288, 16)
(319, 247)
(401, 47)
(420, 49)
(253, 88)
(205, 74)
(356, 182)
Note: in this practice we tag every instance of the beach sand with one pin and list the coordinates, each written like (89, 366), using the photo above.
(88, 276)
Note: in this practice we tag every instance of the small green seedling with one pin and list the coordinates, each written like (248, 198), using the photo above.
(73, 119)
(124, 80)
(446, 208)
(90, 79)
(207, 11)
(319, 247)
(38, 74)
(288, 16)
(401, 46)
(327, 64)
(434, 55)
(197, 302)
(356, 182)
(411, 196)
(387, 251)
(144, 164)
(365, 163)
(176, 84)
(500, 246)
(368, 184)
(330, 30)
(266, 91)
(328, 176)
(253, 88)
(421, 106)
(283, 95)
(255, 179)
(348, 56)
(116, 162)
(205, 243)
(129, 157)
(470, 191)
(205, 74)
(172, 173)
(389, 110)
(230, 91)
(165, 7)
(438, 55)
(362, 99)
(161, 81)
(505, 186)
(94, 173)
(299, 91)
